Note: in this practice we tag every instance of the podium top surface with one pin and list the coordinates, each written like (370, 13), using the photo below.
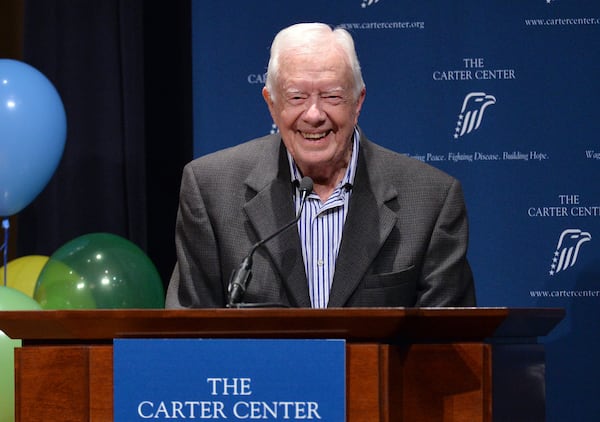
(387, 325)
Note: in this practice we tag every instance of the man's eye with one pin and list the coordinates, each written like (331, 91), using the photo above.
(333, 99)
(296, 99)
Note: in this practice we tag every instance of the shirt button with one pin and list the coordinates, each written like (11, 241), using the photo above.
(320, 263)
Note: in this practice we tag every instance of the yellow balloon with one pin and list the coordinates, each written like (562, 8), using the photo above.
(22, 273)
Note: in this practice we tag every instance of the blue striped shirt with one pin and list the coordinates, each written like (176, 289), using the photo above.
(320, 228)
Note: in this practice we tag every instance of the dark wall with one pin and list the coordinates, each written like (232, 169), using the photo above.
(11, 47)
(11, 29)
(168, 90)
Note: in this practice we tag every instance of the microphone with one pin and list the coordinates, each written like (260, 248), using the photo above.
(238, 282)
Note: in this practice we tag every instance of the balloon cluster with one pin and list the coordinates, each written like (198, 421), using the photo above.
(94, 271)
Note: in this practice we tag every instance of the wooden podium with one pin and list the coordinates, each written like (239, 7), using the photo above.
(446, 364)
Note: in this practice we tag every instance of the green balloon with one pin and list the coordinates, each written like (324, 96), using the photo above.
(10, 300)
(7, 377)
(99, 271)
(15, 300)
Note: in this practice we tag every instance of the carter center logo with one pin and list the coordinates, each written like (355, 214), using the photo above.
(567, 249)
(471, 113)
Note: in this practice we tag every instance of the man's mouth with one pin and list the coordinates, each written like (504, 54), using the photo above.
(314, 136)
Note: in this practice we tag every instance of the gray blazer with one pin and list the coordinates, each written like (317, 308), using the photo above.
(404, 241)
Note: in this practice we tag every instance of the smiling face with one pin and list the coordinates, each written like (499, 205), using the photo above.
(316, 109)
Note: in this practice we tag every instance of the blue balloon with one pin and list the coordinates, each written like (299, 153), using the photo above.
(33, 129)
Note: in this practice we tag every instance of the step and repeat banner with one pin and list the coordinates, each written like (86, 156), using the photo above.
(502, 95)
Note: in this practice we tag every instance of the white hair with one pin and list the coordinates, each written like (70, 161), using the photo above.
(307, 36)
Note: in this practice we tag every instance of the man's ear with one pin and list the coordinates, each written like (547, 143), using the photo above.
(267, 96)
(269, 100)
(360, 101)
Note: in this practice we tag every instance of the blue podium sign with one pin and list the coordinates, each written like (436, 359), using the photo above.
(227, 379)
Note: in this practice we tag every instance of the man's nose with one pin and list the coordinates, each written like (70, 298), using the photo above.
(315, 112)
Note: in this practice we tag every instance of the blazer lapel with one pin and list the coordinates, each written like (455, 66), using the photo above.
(271, 209)
(368, 224)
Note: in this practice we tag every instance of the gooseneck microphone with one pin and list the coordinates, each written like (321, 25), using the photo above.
(238, 282)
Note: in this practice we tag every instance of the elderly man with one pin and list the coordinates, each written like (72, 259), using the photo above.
(379, 228)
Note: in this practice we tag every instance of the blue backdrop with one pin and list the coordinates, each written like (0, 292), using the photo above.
(501, 95)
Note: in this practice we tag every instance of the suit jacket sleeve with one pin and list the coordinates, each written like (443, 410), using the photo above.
(446, 278)
(195, 278)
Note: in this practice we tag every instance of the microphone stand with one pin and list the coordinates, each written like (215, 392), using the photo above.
(238, 282)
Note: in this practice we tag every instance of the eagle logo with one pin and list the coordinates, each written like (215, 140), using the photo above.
(367, 3)
(567, 249)
(471, 113)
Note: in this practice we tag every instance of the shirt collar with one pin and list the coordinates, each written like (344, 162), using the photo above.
(347, 181)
